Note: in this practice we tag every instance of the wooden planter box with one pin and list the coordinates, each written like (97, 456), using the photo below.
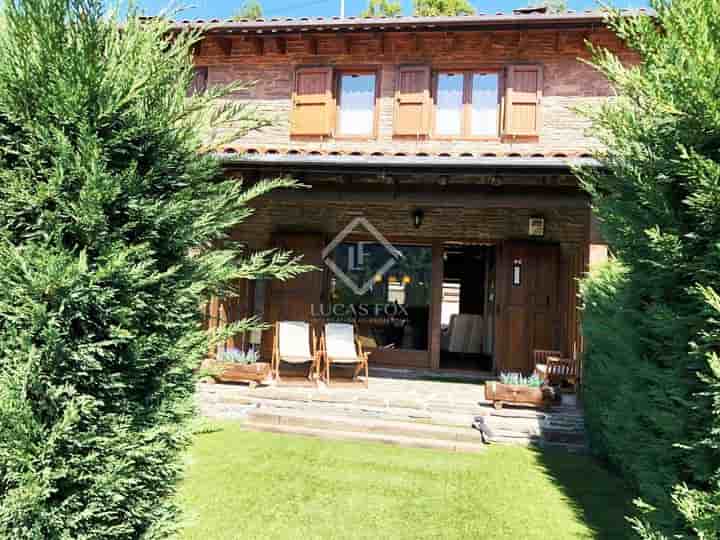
(248, 373)
(500, 394)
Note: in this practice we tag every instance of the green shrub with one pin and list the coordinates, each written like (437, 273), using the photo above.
(518, 379)
(108, 217)
(652, 392)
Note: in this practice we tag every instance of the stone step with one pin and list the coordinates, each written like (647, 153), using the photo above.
(527, 427)
(318, 420)
(512, 431)
(575, 448)
(398, 440)
(223, 394)
(441, 418)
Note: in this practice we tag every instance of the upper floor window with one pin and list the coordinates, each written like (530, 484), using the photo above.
(356, 104)
(467, 104)
(327, 102)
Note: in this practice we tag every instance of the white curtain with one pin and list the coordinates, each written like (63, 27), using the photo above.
(448, 119)
(484, 104)
(357, 104)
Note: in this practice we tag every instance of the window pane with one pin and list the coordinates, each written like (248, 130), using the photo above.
(448, 119)
(395, 309)
(357, 104)
(485, 104)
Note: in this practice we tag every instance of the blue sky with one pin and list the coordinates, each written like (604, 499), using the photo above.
(294, 8)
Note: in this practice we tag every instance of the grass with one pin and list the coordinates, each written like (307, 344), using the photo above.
(246, 485)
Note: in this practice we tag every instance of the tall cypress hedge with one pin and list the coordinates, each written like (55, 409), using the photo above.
(652, 316)
(112, 234)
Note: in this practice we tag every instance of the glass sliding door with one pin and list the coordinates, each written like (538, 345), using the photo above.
(390, 308)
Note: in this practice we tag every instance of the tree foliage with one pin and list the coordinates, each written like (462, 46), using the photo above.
(553, 6)
(382, 8)
(652, 320)
(250, 9)
(112, 233)
(440, 8)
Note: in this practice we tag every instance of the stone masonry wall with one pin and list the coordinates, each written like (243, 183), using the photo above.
(568, 83)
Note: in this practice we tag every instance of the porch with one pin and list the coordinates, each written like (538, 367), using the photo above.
(489, 256)
(447, 412)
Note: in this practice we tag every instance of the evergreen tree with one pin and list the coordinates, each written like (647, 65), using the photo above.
(112, 233)
(382, 8)
(251, 10)
(442, 8)
(553, 6)
(652, 316)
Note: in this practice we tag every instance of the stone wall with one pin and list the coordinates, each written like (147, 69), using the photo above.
(568, 83)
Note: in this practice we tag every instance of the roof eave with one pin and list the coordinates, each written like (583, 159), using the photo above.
(406, 164)
(469, 22)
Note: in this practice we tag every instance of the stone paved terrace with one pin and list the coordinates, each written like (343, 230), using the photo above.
(432, 413)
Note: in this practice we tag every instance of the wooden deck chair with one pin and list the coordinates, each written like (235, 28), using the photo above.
(562, 371)
(539, 360)
(340, 345)
(554, 369)
(295, 343)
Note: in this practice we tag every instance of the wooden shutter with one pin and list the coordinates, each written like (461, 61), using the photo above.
(412, 95)
(199, 81)
(313, 102)
(523, 100)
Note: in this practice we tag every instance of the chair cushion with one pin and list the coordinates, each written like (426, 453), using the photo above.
(340, 343)
(296, 359)
(294, 340)
(347, 360)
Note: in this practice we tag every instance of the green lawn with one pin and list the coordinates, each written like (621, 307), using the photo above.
(245, 485)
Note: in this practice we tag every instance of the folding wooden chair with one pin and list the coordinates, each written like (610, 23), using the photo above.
(295, 343)
(340, 345)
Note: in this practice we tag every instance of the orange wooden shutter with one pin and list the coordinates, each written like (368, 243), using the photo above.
(412, 107)
(313, 102)
(523, 100)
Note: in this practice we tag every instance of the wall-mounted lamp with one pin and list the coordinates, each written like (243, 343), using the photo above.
(536, 226)
(417, 217)
(517, 272)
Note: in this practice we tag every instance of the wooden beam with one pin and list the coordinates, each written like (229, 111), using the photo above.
(346, 44)
(436, 286)
(380, 39)
(280, 45)
(196, 48)
(523, 41)
(259, 45)
(225, 45)
(470, 199)
(311, 46)
(453, 41)
(417, 42)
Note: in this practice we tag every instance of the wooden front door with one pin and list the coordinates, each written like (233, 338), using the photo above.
(296, 298)
(527, 305)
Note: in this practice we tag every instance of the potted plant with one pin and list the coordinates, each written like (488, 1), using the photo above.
(518, 389)
(242, 366)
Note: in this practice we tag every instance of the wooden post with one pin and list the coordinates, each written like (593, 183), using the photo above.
(436, 303)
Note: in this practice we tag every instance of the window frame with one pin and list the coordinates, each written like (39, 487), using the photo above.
(341, 71)
(422, 242)
(466, 117)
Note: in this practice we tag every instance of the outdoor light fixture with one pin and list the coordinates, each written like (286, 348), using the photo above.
(517, 272)
(536, 226)
(418, 216)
